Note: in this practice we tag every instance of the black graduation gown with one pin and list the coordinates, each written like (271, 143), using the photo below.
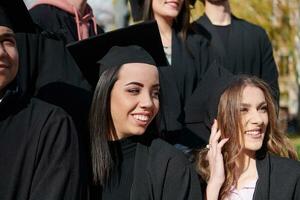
(249, 50)
(161, 172)
(279, 178)
(48, 72)
(60, 22)
(39, 156)
(190, 60)
(178, 81)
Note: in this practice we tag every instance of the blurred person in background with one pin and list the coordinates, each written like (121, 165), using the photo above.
(70, 20)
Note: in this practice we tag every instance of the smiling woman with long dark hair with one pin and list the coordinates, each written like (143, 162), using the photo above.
(128, 159)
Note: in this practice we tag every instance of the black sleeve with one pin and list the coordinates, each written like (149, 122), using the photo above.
(57, 173)
(297, 190)
(269, 73)
(181, 182)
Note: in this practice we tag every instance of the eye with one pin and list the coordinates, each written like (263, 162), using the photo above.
(263, 109)
(9, 42)
(243, 109)
(155, 94)
(133, 91)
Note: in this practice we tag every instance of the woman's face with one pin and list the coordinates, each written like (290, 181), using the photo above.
(168, 9)
(254, 116)
(134, 99)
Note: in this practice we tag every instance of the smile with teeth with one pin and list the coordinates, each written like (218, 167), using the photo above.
(143, 118)
(253, 132)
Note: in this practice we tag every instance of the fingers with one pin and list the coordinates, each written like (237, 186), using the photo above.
(215, 144)
(213, 131)
(222, 142)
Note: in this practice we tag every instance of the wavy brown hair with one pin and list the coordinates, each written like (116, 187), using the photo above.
(182, 21)
(230, 124)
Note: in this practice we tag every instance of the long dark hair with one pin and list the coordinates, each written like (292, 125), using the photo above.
(101, 125)
(182, 21)
(102, 128)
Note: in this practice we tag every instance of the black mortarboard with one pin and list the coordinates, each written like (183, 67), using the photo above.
(202, 107)
(142, 42)
(14, 14)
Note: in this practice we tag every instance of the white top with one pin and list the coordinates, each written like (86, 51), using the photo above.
(168, 53)
(245, 193)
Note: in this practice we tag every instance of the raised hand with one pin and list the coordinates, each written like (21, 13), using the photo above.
(216, 163)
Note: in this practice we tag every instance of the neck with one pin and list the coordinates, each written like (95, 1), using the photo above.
(246, 168)
(80, 5)
(165, 30)
(218, 14)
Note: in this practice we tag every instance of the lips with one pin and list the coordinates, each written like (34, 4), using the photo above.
(173, 4)
(255, 133)
(2, 65)
(142, 119)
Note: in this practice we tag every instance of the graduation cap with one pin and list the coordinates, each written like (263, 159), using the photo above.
(201, 108)
(14, 14)
(137, 43)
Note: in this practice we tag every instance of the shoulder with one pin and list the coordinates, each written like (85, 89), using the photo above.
(248, 26)
(285, 165)
(46, 12)
(45, 111)
(197, 29)
(44, 8)
(163, 151)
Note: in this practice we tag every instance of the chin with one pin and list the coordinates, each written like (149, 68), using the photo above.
(138, 131)
(253, 147)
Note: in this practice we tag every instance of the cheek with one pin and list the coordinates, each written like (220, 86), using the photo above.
(14, 58)
(266, 120)
(156, 106)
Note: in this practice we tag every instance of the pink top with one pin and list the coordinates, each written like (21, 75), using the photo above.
(245, 193)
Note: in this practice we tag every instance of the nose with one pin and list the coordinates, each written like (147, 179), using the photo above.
(2, 49)
(256, 118)
(3, 52)
(146, 100)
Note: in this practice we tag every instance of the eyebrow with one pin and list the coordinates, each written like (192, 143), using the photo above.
(140, 84)
(7, 35)
(248, 105)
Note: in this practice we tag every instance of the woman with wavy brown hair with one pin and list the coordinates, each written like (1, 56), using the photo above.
(248, 157)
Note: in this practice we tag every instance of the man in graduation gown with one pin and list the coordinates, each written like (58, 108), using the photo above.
(39, 151)
(70, 20)
(238, 45)
(48, 71)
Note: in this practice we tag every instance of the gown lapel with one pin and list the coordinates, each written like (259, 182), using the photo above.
(263, 183)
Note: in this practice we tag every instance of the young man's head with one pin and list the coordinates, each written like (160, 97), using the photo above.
(11, 23)
(9, 57)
